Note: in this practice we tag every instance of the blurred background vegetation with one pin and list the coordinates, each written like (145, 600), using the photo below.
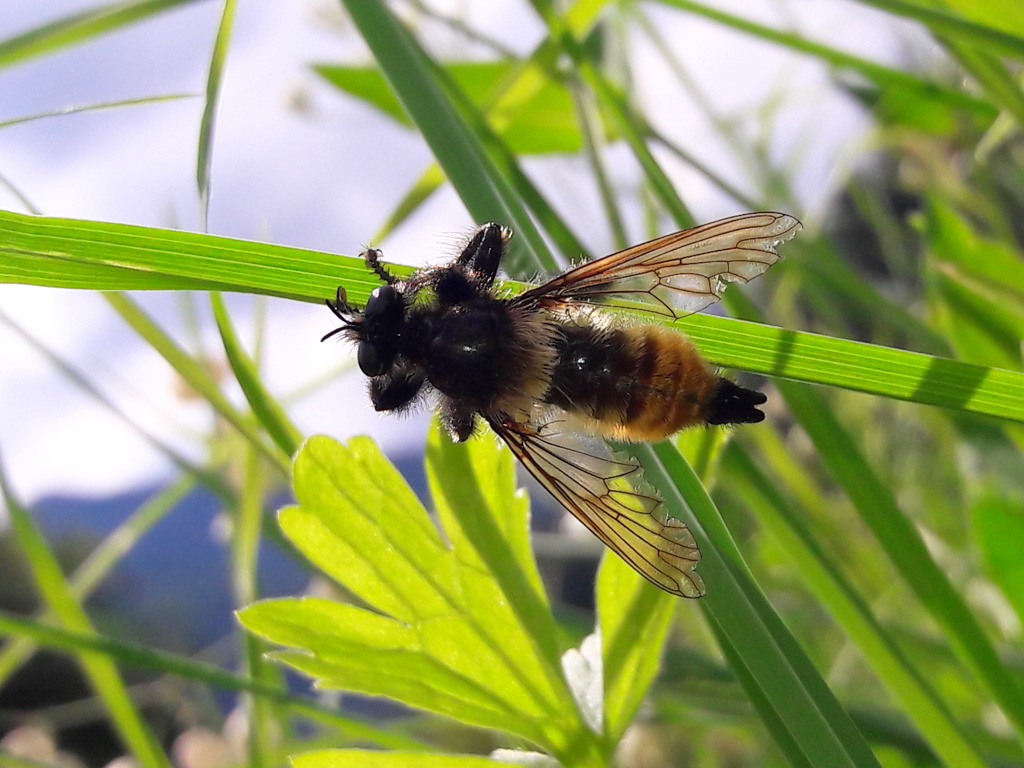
(878, 511)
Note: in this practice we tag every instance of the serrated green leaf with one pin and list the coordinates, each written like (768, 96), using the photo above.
(353, 649)
(474, 489)
(360, 522)
(451, 640)
(485, 479)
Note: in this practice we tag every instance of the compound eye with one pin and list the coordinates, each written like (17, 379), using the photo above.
(382, 299)
(369, 359)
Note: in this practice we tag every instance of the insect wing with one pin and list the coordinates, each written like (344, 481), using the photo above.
(676, 274)
(595, 488)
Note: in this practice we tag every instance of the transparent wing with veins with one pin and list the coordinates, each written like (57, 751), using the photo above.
(598, 489)
(676, 274)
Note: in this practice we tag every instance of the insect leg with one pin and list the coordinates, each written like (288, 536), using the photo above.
(484, 251)
(372, 258)
(457, 421)
(396, 389)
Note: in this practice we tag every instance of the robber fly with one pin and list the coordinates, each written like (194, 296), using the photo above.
(550, 370)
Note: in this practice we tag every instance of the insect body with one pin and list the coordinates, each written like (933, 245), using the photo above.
(548, 367)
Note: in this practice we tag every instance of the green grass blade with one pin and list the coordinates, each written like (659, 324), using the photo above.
(881, 75)
(884, 371)
(904, 546)
(981, 330)
(207, 477)
(245, 547)
(1002, 86)
(97, 107)
(508, 166)
(623, 117)
(69, 253)
(101, 672)
(416, 81)
(813, 729)
(431, 180)
(264, 406)
(964, 252)
(100, 562)
(778, 516)
(78, 28)
(842, 291)
(204, 154)
(998, 529)
(773, 720)
(19, 195)
(196, 375)
(990, 39)
(38, 251)
(144, 657)
(533, 77)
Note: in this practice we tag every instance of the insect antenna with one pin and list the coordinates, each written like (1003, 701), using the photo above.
(335, 332)
(342, 310)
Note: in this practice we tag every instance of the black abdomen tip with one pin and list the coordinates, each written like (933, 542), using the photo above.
(732, 404)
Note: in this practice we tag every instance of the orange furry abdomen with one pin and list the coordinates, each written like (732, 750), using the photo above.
(671, 388)
(632, 384)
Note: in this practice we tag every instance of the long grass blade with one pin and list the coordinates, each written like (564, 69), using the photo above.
(812, 727)
(100, 562)
(79, 27)
(60, 598)
(779, 517)
(144, 657)
(264, 405)
(196, 376)
(204, 154)
(114, 256)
